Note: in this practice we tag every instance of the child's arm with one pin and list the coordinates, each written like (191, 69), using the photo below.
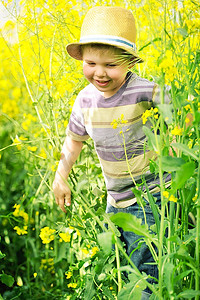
(70, 152)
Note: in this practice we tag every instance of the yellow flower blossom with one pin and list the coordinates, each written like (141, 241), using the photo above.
(72, 285)
(42, 153)
(179, 112)
(47, 235)
(119, 121)
(145, 116)
(94, 250)
(85, 251)
(21, 231)
(156, 116)
(65, 236)
(194, 198)
(19, 281)
(114, 123)
(166, 194)
(19, 212)
(32, 148)
(153, 112)
(188, 107)
(78, 232)
(187, 120)
(18, 141)
(48, 265)
(173, 199)
(68, 274)
(177, 131)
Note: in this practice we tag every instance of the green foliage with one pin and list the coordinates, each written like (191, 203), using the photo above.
(39, 83)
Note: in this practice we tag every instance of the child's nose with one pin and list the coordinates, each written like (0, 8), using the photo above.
(100, 71)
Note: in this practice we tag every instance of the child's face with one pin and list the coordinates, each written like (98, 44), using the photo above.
(103, 69)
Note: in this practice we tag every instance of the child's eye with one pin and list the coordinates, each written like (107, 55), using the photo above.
(111, 65)
(91, 63)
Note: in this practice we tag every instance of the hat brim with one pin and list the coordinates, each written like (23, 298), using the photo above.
(74, 50)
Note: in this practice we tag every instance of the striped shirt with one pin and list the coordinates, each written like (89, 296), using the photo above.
(120, 150)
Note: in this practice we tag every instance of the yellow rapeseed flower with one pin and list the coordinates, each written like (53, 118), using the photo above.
(19, 212)
(146, 115)
(32, 148)
(19, 281)
(114, 123)
(72, 285)
(187, 120)
(47, 235)
(194, 198)
(122, 121)
(43, 153)
(166, 194)
(21, 231)
(188, 107)
(177, 131)
(65, 236)
(68, 274)
(94, 250)
(85, 251)
(173, 199)
(119, 121)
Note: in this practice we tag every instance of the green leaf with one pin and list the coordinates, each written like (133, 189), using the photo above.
(2, 255)
(182, 175)
(131, 223)
(166, 110)
(168, 271)
(154, 208)
(170, 164)
(183, 32)
(186, 150)
(182, 275)
(7, 279)
(82, 184)
(197, 117)
(149, 43)
(188, 294)
(61, 252)
(89, 290)
(151, 138)
(99, 267)
(107, 292)
(133, 289)
(105, 241)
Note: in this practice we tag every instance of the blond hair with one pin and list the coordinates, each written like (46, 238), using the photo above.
(121, 55)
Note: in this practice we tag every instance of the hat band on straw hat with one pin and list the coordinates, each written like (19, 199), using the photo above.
(107, 39)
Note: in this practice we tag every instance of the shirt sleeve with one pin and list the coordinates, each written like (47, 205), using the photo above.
(76, 128)
(157, 94)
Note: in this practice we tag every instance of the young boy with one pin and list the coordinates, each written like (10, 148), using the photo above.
(107, 48)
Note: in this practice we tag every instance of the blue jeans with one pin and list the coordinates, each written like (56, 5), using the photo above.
(142, 257)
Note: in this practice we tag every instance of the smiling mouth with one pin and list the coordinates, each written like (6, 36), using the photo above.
(102, 83)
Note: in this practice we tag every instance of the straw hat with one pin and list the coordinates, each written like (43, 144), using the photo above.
(107, 25)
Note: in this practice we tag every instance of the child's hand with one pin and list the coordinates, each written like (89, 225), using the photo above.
(70, 152)
(62, 193)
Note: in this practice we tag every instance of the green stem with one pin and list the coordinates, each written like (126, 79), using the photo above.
(137, 272)
(118, 265)
(29, 90)
(84, 203)
(162, 219)
(197, 252)
(129, 170)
